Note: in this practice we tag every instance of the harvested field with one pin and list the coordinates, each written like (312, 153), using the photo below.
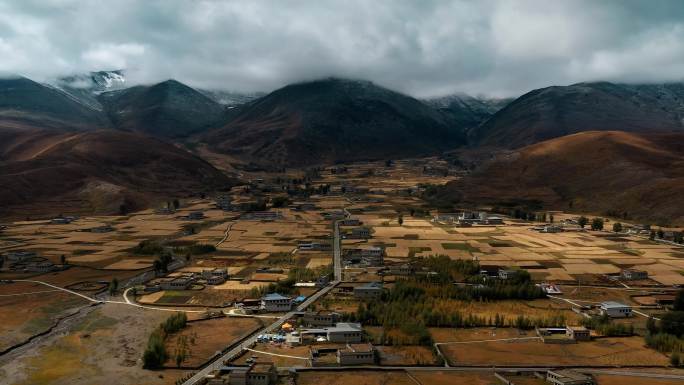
(204, 338)
(622, 351)
(357, 377)
(406, 355)
(632, 380)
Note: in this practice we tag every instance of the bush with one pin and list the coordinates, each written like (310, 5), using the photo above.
(148, 247)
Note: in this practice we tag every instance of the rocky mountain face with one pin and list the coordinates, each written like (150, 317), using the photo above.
(167, 109)
(25, 103)
(467, 111)
(334, 120)
(557, 111)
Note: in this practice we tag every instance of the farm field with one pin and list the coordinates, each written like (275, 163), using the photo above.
(602, 379)
(613, 351)
(362, 377)
(357, 377)
(204, 338)
(406, 355)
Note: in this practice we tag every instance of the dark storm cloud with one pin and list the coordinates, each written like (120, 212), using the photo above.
(419, 47)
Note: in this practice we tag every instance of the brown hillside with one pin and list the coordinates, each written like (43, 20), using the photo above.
(43, 173)
(639, 176)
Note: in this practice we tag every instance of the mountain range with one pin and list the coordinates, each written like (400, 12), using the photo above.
(557, 111)
(334, 120)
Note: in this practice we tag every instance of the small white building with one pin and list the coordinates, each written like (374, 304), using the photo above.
(19, 255)
(180, 283)
(356, 354)
(633, 274)
(616, 309)
(507, 273)
(371, 290)
(345, 332)
(274, 302)
(568, 377)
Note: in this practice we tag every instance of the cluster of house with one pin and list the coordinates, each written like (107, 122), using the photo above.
(63, 220)
(568, 334)
(468, 218)
(633, 274)
(314, 246)
(324, 327)
(365, 291)
(184, 281)
(567, 377)
(363, 256)
(193, 216)
(29, 262)
(166, 210)
(262, 215)
(256, 373)
(498, 272)
(101, 229)
(303, 206)
(321, 281)
(333, 215)
(549, 228)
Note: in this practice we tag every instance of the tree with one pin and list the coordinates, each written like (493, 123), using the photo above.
(678, 304)
(617, 227)
(597, 224)
(582, 221)
(678, 237)
(651, 325)
(113, 286)
(674, 359)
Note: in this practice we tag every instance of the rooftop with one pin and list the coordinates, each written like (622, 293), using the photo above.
(613, 304)
(371, 285)
(358, 348)
(570, 375)
(274, 297)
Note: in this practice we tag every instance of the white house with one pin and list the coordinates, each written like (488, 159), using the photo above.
(616, 309)
(276, 303)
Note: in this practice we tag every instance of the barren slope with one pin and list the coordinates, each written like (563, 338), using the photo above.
(638, 176)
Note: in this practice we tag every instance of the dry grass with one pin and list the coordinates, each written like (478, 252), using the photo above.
(205, 338)
(624, 351)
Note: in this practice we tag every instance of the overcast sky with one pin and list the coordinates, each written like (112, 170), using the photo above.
(424, 48)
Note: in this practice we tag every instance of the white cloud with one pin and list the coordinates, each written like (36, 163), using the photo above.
(496, 47)
(112, 56)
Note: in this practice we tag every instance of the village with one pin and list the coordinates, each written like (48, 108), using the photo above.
(297, 277)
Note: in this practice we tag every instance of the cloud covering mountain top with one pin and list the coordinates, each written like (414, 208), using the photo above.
(424, 48)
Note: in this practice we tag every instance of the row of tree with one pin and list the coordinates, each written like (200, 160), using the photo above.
(155, 353)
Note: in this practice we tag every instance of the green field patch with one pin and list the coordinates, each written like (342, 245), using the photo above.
(460, 246)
